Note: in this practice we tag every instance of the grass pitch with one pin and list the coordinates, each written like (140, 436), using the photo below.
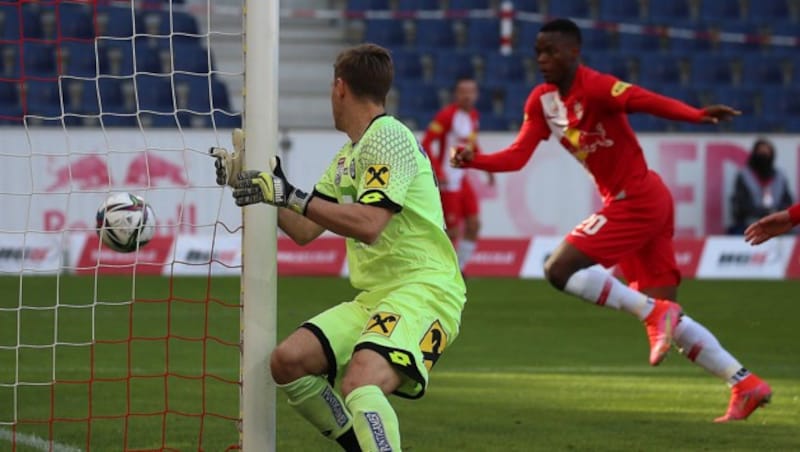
(531, 370)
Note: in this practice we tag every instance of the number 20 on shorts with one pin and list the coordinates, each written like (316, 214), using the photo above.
(592, 225)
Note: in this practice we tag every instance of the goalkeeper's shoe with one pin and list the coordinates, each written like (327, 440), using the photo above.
(660, 326)
(746, 396)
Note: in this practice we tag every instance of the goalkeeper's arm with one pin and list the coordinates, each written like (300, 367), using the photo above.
(299, 228)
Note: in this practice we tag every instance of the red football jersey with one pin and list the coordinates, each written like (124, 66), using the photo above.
(591, 123)
(450, 127)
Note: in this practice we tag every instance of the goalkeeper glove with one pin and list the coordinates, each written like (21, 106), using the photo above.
(228, 165)
(254, 186)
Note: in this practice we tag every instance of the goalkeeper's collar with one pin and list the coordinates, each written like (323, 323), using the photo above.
(372, 121)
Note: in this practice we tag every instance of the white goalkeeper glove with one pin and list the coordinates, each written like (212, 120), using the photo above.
(254, 186)
(228, 165)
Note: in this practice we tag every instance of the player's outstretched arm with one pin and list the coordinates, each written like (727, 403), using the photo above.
(639, 100)
(772, 225)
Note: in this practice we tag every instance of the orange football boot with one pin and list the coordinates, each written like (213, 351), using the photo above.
(660, 326)
(746, 396)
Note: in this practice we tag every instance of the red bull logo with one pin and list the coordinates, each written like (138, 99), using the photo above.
(584, 143)
(149, 170)
(84, 173)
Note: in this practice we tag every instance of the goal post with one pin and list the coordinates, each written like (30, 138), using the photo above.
(259, 235)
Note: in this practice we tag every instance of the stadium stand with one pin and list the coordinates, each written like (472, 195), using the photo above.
(78, 59)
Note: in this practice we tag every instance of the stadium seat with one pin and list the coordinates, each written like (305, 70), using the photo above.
(501, 68)
(75, 20)
(493, 121)
(9, 92)
(407, 64)
(684, 94)
(516, 94)
(485, 103)
(689, 46)
(434, 33)
(666, 12)
(751, 32)
(116, 94)
(180, 26)
(386, 32)
(596, 39)
(622, 66)
(483, 34)
(366, 5)
(154, 93)
(720, 9)
(158, 121)
(461, 5)
(742, 99)
(527, 6)
(115, 21)
(225, 120)
(78, 58)
(452, 65)
(621, 10)
(119, 120)
(573, 8)
(192, 93)
(80, 96)
(771, 10)
(41, 95)
(190, 58)
(645, 42)
(39, 59)
(32, 20)
(415, 98)
(9, 21)
(661, 69)
(712, 69)
(117, 56)
(758, 69)
(9, 61)
(642, 122)
(408, 6)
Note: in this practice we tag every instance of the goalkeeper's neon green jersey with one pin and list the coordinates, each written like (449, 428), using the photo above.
(388, 168)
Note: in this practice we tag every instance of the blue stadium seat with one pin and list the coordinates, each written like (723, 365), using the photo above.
(225, 120)
(485, 103)
(158, 121)
(39, 59)
(742, 99)
(516, 94)
(10, 114)
(751, 32)
(78, 58)
(115, 21)
(770, 10)
(527, 6)
(721, 9)
(646, 42)
(572, 8)
(452, 65)
(711, 70)
(684, 94)
(525, 36)
(181, 26)
(154, 93)
(192, 93)
(9, 22)
(483, 34)
(32, 20)
(117, 56)
(621, 10)
(80, 96)
(415, 98)
(407, 64)
(42, 95)
(642, 122)
(783, 29)
(9, 61)
(460, 5)
(75, 20)
(689, 46)
(504, 68)
(116, 94)
(666, 12)
(418, 5)
(365, 5)
(435, 33)
(119, 120)
(493, 121)
(760, 69)
(617, 64)
(595, 39)
(9, 92)
(190, 58)
(660, 69)
(386, 32)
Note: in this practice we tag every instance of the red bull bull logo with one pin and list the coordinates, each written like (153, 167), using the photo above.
(148, 170)
(83, 173)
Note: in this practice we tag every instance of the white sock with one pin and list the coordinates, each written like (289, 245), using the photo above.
(702, 348)
(464, 251)
(603, 289)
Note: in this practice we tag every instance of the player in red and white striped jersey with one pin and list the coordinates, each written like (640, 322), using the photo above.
(587, 112)
(457, 125)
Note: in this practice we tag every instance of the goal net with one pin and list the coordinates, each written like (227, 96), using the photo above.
(102, 350)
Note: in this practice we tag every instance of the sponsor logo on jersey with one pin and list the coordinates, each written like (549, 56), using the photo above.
(377, 176)
(339, 170)
(382, 323)
(371, 197)
(619, 88)
(578, 110)
(352, 169)
(433, 344)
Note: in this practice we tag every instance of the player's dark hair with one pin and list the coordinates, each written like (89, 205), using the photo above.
(463, 78)
(368, 71)
(565, 27)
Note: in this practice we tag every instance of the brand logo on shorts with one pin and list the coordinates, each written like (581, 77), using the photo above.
(377, 176)
(378, 432)
(433, 344)
(382, 323)
(336, 407)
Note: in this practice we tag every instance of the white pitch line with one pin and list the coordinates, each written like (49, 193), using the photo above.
(36, 442)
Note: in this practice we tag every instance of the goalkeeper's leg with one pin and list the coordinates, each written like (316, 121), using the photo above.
(368, 380)
(297, 365)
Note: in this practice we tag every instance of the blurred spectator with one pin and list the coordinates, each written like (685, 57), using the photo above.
(760, 189)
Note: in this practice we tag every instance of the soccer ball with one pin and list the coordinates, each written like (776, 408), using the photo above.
(125, 222)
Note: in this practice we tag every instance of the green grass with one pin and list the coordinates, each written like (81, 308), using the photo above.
(532, 369)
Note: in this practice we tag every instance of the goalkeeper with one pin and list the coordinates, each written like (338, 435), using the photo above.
(380, 193)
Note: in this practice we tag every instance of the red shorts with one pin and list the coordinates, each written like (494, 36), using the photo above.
(459, 205)
(636, 234)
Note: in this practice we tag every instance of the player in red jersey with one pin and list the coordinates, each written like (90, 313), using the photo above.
(457, 125)
(586, 111)
(773, 225)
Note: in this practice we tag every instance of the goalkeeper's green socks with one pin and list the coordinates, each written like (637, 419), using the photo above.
(374, 420)
(322, 406)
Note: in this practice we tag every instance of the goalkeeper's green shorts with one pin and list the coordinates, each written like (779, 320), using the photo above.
(410, 326)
